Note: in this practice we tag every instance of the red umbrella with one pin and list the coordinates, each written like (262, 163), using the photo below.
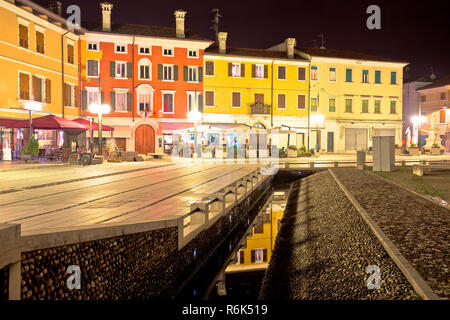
(10, 123)
(49, 122)
(94, 125)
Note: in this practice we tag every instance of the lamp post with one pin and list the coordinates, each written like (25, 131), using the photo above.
(317, 119)
(32, 106)
(99, 109)
(195, 116)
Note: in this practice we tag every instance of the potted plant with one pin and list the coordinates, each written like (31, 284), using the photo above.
(282, 153)
(30, 151)
(398, 150)
(302, 152)
(207, 151)
(292, 151)
(435, 149)
(414, 150)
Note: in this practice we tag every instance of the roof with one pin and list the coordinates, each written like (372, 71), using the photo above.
(143, 30)
(444, 81)
(259, 53)
(345, 54)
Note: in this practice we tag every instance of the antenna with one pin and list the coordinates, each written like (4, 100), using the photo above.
(323, 42)
(315, 42)
(432, 75)
(215, 22)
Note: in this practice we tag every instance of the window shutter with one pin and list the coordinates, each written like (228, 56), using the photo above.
(242, 70)
(102, 97)
(185, 73)
(48, 90)
(209, 68)
(129, 100)
(160, 71)
(84, 100)
(112, 70)
(266, 71)
(175, 72)
(200, 103)
(65, 94)
(253, 256)
(76, 97)
(348, 75)
(35, 88)
(113, 100)
(301, 102)
(264, 255)
(253, 70)
(241, 256)
(200, 74)
(129, 70)
(230, 69)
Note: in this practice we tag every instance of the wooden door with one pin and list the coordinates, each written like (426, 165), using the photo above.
(121, 143)
(144, 140)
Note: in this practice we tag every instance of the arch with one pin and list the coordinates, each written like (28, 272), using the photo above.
(144, 139)
(259, 125)
(144, 73)
(144, 98)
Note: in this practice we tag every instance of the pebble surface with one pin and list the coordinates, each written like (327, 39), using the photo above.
(324, 248)
(419, 228)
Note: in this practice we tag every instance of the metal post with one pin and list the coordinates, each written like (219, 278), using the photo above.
(31, 124)
(418, 125)
(62, 73)
(100, 144)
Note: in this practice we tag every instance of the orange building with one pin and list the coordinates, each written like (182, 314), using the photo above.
(151, 76)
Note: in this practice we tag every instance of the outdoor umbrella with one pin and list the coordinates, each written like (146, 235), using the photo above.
(94, 125)
(49, 122)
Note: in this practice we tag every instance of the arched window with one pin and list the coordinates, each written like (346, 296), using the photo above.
(145, 69)
(144, 94)
(259, 125)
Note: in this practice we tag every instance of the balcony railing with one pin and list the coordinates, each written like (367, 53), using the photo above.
(259, 108)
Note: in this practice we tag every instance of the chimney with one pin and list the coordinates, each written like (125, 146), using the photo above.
(179, 20)
(55, 6)
(106, 12)
(290, 44)
(222, 38)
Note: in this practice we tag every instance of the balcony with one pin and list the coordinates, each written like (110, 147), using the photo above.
(259, 108)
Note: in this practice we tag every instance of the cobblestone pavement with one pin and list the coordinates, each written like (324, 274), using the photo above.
(324, 248)
(419, 228)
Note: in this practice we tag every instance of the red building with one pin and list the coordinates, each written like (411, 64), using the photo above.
(151, 76)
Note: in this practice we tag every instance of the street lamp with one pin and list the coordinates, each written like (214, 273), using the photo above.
(99, 109)
(417, 121)
(195, 116)
(318, 120)
(32, 106)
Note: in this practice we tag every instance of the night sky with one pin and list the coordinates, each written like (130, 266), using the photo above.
(414, 31)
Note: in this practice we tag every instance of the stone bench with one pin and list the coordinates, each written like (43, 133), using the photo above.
(418, 169)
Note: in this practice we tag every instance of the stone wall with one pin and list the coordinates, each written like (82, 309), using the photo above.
(4, 283)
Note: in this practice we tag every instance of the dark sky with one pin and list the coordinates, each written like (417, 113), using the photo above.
(414, 31)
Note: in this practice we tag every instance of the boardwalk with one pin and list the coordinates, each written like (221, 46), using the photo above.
(50, 199)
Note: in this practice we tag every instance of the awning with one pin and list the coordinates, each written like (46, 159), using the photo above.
(94, 125)
(9, 123)
(171, 127)
(49, 122)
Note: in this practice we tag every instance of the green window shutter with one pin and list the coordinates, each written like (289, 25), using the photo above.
(377, 106)
(129, 70)
(200, 74)
(102, 97)
(332, 69)
(313, 68)
(348, 75)
(185, 73)
(332, 105)
(365, 76)
(129, 100)
(200, 103)
(113, 100)
(112, 69)
(377, 76)
(175, 72)
(393, 107)
(84, 100)
(348, 105)
(393, 77)
(160, 71)
(365, 106)
(313, 104)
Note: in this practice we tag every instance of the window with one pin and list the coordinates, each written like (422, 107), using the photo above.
(144, 94)
(193, 53)
(443, 96)
(70, 54)
(121, 69)
(377, 76)
(144, 50)
(38, 89)
(92, 46)
(348, 75)
(314, 73)
(443, 116)
(236, 100)
(393, 77)
(281, 101)
(259, 255)
(332, 105)
(167, 52)
(259, 98)
(209, 98)
(259, 228)
(168, 72)
(332, 74)
(281, 72)
(301, 74)
(144, 69)
(365, 76)
(258, 71)
(393, 106)
(377, 108)
(348, 105)
(192, 73)
(168, 102)
(69, 94)
(24, 86)
(23, 36)
(423, 98)
(193, 101)
(209, 68)
(92, 68)
(144, 102)
(365, 106)
(121, 101)
(301, 102)
(313, 104)
(236, 70)
(121, 48)
(93, 97)
(40, 42)
(240, 257)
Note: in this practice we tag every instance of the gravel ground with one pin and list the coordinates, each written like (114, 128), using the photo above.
(419, 228)
(324, 248)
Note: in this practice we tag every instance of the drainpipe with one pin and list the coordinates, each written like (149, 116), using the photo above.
(62, 70)
(132, 79)
(309, 100)
(271, 99)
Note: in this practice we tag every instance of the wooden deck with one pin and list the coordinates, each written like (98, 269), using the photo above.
(49, 199)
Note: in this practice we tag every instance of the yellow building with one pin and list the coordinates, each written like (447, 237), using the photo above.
(256, 88)
(30, 60)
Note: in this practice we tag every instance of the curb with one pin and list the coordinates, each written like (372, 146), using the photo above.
(411, 274)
